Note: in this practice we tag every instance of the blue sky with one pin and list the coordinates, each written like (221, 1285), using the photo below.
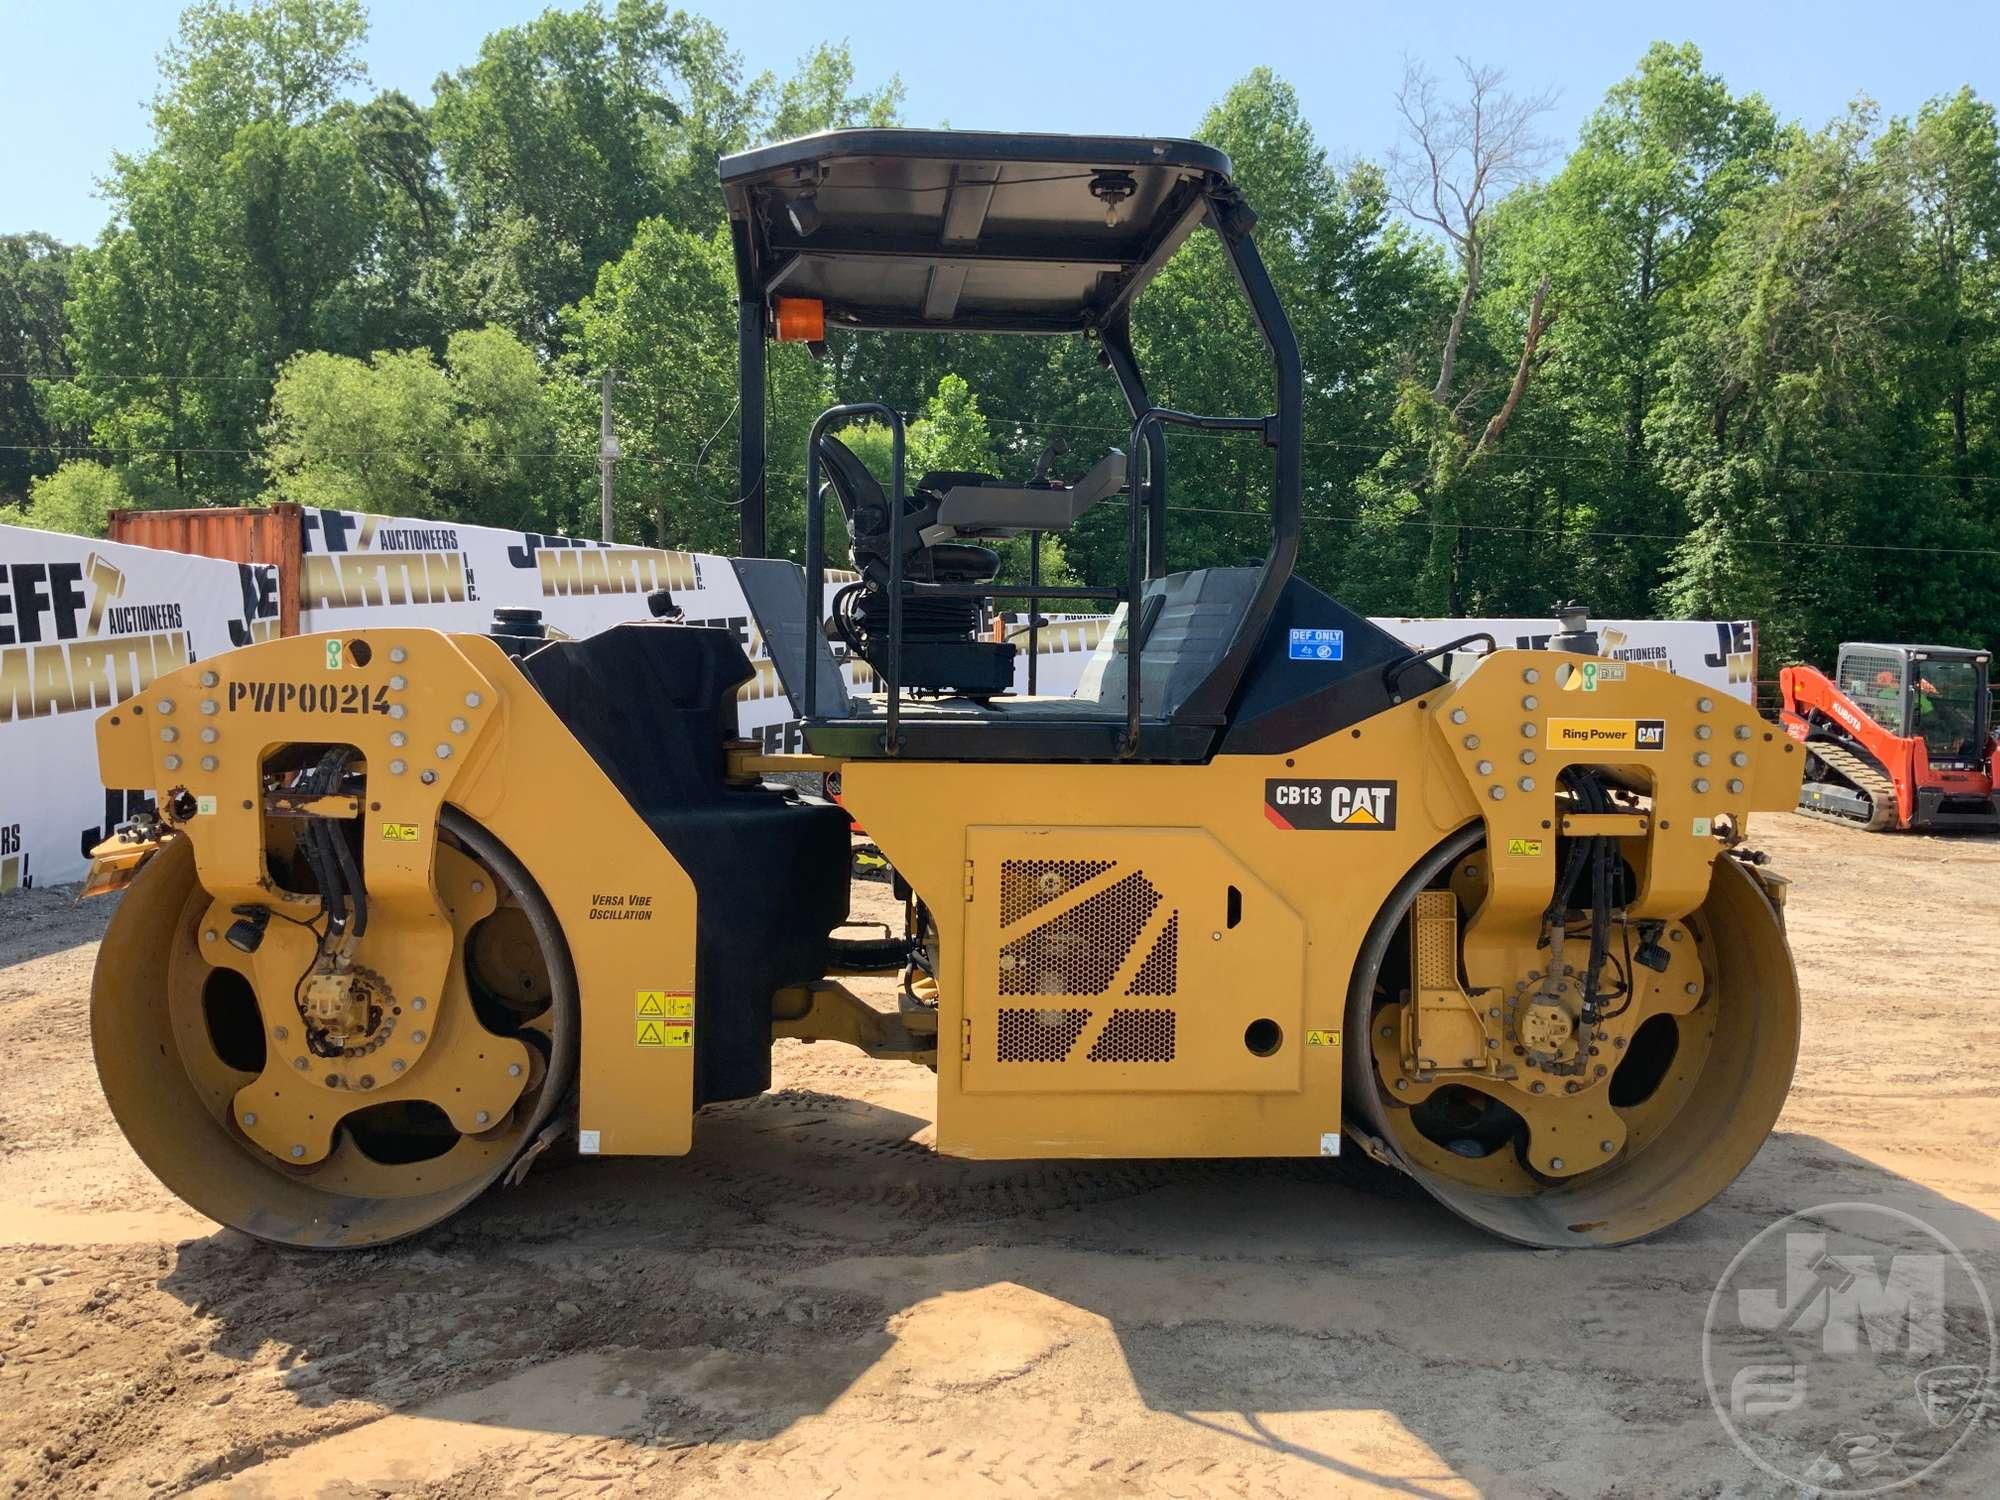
(79, 71)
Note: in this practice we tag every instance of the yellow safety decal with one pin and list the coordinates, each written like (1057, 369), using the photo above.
(663, 1004)
(1530, 847)
(1322, 1039)
(1607, 734)
(401, 833)
(662, 1034)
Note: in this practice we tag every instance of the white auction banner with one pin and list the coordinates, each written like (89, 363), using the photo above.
(1720, 653)
(357, 570)
(84, 625)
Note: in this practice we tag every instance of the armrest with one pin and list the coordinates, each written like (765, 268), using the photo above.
(990, 509)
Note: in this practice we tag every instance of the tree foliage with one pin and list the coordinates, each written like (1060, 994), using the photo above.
(77, 498)
(1710, 362)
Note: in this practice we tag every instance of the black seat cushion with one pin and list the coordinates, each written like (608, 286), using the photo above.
(963, 562)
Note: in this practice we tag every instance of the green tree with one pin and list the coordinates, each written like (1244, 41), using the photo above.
(1778, 407)
(1949, 161)
(250, 230)
(1358, 291)
(664, 316)
(473, 439)
(78, 498)
(560, 140)
(34, 285)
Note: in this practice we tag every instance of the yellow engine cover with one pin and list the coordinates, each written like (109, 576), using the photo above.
(1114, 960)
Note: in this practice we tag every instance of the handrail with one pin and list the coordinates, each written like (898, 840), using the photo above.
(1392, 673)
(816, 554)
(1034, 608)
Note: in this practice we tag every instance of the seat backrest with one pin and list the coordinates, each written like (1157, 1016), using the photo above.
(1188, 619)
(860, 494)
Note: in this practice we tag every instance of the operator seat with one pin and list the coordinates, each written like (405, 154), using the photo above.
(867, 511)
(940, 650)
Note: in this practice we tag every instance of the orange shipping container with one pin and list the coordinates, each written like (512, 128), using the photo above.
(243, 533)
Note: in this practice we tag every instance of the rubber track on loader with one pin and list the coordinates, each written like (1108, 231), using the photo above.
(1864, 778)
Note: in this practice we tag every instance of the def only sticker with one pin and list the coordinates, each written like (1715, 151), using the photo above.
(1318, 645)
(1301, 804)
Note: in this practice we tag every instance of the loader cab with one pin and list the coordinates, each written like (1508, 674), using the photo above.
(900, 232)
(1939, 694)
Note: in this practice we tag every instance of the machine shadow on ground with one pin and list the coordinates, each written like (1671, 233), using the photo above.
(756, 1283)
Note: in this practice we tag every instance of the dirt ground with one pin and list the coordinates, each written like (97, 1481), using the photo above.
(812, 1304)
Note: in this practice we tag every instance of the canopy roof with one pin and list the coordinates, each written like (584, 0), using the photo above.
(964, 230)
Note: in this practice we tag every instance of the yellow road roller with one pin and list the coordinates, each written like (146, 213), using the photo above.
(414, 907)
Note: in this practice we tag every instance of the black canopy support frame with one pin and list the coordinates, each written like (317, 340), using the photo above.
(769, 254)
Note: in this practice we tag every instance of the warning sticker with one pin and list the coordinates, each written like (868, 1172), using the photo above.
(662, 1004)
(662, 1034)
(1322, 1039)
(204, 805)
(1607, 734)
(1528, 847)
(401, 833)
(1587, 676)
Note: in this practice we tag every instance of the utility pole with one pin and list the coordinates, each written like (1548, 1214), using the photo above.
(607, 451)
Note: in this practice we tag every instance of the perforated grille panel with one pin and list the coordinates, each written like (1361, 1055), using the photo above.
(1435, 933)
(1029, 884)
(1079, 951)
(1097, 962)
(1135, 1036)
(1037, 1035)
(1158, 974)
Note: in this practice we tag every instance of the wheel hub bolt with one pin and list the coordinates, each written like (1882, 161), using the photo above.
(1556, 1162)
(1606, 1146)
(513, 1070)
(249, 1117)
(297, 1152)
(481, 1118)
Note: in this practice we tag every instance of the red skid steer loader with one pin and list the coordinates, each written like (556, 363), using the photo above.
(1900, 737)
